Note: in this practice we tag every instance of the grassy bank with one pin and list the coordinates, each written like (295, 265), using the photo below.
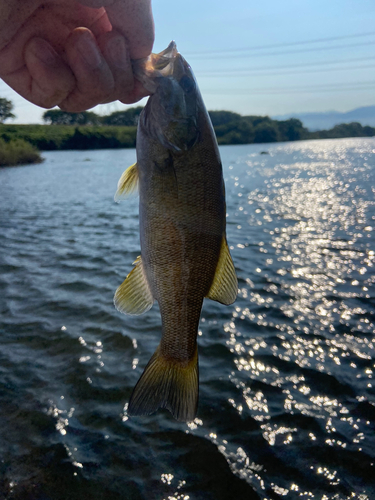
(18, 152)
(61, 137)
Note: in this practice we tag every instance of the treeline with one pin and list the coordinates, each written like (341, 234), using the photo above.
(87, 130)
(233, 128)
(230, 128)
(353, 129)
(62, 137)
(127, 118)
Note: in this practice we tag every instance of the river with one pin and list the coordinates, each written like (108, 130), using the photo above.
(287, 400)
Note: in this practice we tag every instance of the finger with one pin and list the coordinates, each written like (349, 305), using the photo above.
(45, 80)
(127, 88)
(136, 94)
(133, 18)
(116, 54)
(94, 79)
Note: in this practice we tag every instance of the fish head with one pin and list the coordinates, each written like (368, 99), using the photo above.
(171, 113)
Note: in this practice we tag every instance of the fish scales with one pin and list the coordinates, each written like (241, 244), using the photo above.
(181, 232)
(184, 254)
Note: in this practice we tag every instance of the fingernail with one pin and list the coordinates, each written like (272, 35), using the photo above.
(118, 52)
(89, 50)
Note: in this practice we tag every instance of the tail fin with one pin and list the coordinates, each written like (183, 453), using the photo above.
(169, 384)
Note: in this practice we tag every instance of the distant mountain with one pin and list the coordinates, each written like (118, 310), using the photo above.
(328, 119)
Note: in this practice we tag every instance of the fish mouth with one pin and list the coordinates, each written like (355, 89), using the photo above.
(167, 63)
(162, 61)
(171, 113)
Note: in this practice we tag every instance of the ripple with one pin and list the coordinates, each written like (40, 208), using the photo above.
(286, 393)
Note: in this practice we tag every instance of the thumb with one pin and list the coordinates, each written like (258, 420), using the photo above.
(134, 20)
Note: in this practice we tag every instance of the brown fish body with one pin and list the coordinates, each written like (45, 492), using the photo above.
(184, 255)
(182, 222)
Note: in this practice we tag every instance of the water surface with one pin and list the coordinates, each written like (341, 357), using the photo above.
(287, 404)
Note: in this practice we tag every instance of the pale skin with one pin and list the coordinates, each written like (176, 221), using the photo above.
(74, 54)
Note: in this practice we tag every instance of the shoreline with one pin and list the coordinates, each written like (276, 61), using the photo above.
(241, 131)
(22, 144)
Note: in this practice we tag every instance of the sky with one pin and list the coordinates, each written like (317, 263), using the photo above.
(264, 58)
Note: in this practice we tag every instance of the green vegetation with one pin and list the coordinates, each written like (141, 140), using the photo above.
(232, 128)
(58, 117)
(58, 137)
(88, 130)
(353, 129)
(14, 150)
(128, 118)
(18, 152)
(6, 108)
(19, 144)
(239, 130)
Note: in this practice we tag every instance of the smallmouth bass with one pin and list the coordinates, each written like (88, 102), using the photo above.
(184, 252)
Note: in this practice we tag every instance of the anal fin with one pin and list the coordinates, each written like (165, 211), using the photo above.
(134, 295)
(224, 287)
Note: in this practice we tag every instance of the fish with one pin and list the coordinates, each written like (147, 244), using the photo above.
(182, 223)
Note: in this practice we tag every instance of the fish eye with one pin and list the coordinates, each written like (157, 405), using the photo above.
(187, 84)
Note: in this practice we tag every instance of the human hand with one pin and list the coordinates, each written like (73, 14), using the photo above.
(74, 54)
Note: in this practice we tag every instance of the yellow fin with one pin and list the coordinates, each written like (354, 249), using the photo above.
(128, 183)
(134, 295)
(167, 383)
(224, 287)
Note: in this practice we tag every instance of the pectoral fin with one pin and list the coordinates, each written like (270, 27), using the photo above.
(128, 183)
(134, 295)
(224, 286)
